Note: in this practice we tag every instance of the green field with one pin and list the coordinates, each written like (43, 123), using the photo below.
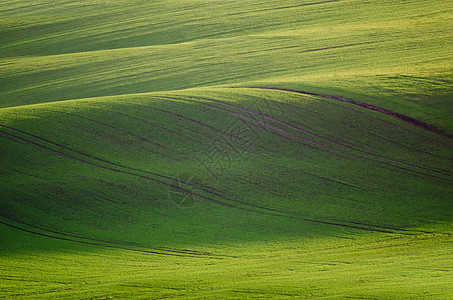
(210, 149)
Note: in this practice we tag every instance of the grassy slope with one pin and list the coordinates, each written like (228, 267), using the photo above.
(181, 185)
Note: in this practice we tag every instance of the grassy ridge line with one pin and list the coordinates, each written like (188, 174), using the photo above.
(113, 71)
(276, 49)
(179, 21)
(131, 71)
(110, 125)
(155, 23)
(439, 171)
(370, 107)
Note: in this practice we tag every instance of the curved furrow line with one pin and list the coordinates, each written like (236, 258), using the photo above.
(113, 163)
(355, 224)
(140, 138)
(339, 144)
(204, 188)
(345, 223)
(212, 128)
(402, 145)
(92, 243)
(119, 243)
(396, 115)
(373, 133)
(382, 226)
(182, 136)
(255, 121)
(330, 149)
(266, 210)
(434, 170)
(151, 124)
(201, 124)
(351, 225)
(179, 116)
(368, 189)
(117, 170)
(284, 7)
(184, 190)
(316, 98)
(319, 176)
(248, 206)
(95, 78)
(286, 124)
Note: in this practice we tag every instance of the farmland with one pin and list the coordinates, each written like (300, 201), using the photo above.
(226, 149)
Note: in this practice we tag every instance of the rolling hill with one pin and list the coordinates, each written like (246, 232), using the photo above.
(226, 149)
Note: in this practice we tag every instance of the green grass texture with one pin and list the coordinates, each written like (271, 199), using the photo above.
(207, 149)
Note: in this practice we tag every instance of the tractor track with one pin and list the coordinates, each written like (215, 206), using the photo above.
(115, 170)
(285, 124)
(141, 138)
(393, 114)
(266, 210)
(112, 163)
(193, 120)
(344, 107)
(368, 132)
(88, 241)
(250, 207)
(402, 145)
(151, 124)
(243, 205)
(118, 243)
(247, 206)
(388, 162)
(284, 7)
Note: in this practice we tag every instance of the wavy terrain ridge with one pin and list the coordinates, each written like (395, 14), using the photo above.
(206, 149)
